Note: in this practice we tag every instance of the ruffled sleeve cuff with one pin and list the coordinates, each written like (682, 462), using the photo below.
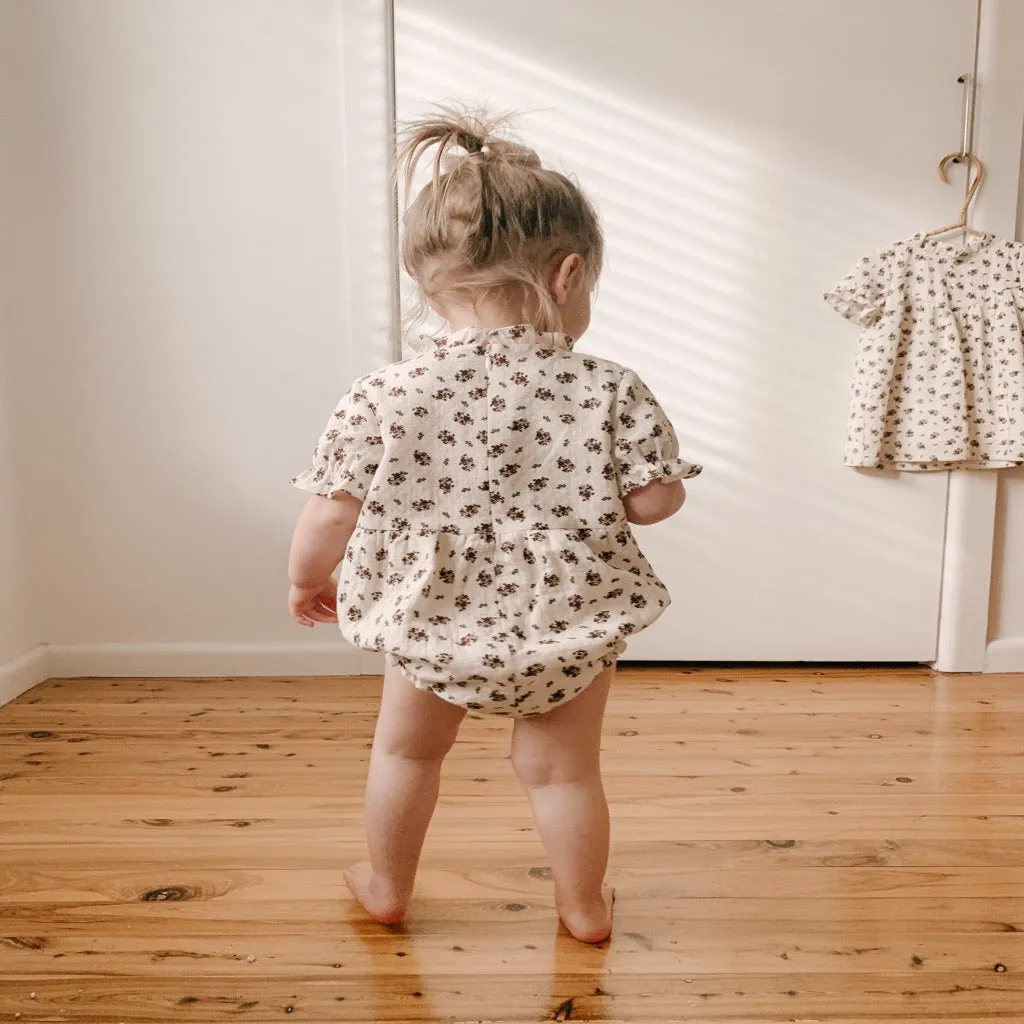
(330, 482)
(852, 308)
(348, 453)
(861, 296)
(641, 474)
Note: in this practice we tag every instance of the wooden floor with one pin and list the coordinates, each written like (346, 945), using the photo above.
(789, 846)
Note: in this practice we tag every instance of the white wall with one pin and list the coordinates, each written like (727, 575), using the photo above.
(188, 300)
(19, 624)
(18, 629)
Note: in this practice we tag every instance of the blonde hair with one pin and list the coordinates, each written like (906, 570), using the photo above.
(493, 219)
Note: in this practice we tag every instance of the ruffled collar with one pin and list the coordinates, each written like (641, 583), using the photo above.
(517, 336)
(958, 247)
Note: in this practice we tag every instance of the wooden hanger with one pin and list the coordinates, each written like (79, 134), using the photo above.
(961, 224)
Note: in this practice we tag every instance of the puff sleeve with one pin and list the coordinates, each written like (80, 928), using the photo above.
(860, 296)
(645, 444)
(349, 450)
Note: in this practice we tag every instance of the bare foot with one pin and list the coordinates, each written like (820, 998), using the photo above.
(590, 922)
(377, 899)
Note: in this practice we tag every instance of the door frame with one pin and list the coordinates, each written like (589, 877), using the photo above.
(971, 508)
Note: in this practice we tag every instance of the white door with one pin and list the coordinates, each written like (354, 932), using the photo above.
(744, 154)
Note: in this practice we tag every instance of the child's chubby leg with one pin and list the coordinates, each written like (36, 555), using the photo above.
(415, 730)
(557, 757)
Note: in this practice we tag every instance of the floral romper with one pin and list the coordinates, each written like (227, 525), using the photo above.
(492, 559)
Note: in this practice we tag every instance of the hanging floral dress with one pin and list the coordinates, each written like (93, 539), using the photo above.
(939, 377)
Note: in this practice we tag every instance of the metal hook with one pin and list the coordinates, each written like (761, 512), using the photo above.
(968, 81)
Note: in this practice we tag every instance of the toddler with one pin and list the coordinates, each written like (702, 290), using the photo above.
(478, 498)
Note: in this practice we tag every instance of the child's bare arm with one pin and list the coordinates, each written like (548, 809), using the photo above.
(654, 502)
(321, 536)
(318, 546)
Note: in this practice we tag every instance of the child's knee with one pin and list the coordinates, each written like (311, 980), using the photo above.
(414, 746)
(536, 768)
(531, 770)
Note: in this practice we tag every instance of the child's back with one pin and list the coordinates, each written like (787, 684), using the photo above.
(493, 559)
(481, 494)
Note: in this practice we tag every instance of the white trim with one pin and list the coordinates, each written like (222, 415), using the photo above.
(22, 673)
(971, 505)
(1006, 655)
(391, 181)
(199, 660)
(369, 279)
(966, 571)
(148, 661)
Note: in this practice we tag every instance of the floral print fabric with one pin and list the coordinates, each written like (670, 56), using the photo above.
(492, 558)
(939, 378)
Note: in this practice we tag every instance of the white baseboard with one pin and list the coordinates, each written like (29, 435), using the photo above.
(196, 660)
(1006, 655)
(23, 673)
(69, 661)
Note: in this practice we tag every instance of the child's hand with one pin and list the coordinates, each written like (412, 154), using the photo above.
(310, 605)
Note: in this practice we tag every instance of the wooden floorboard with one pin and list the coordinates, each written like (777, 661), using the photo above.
(834, 845)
